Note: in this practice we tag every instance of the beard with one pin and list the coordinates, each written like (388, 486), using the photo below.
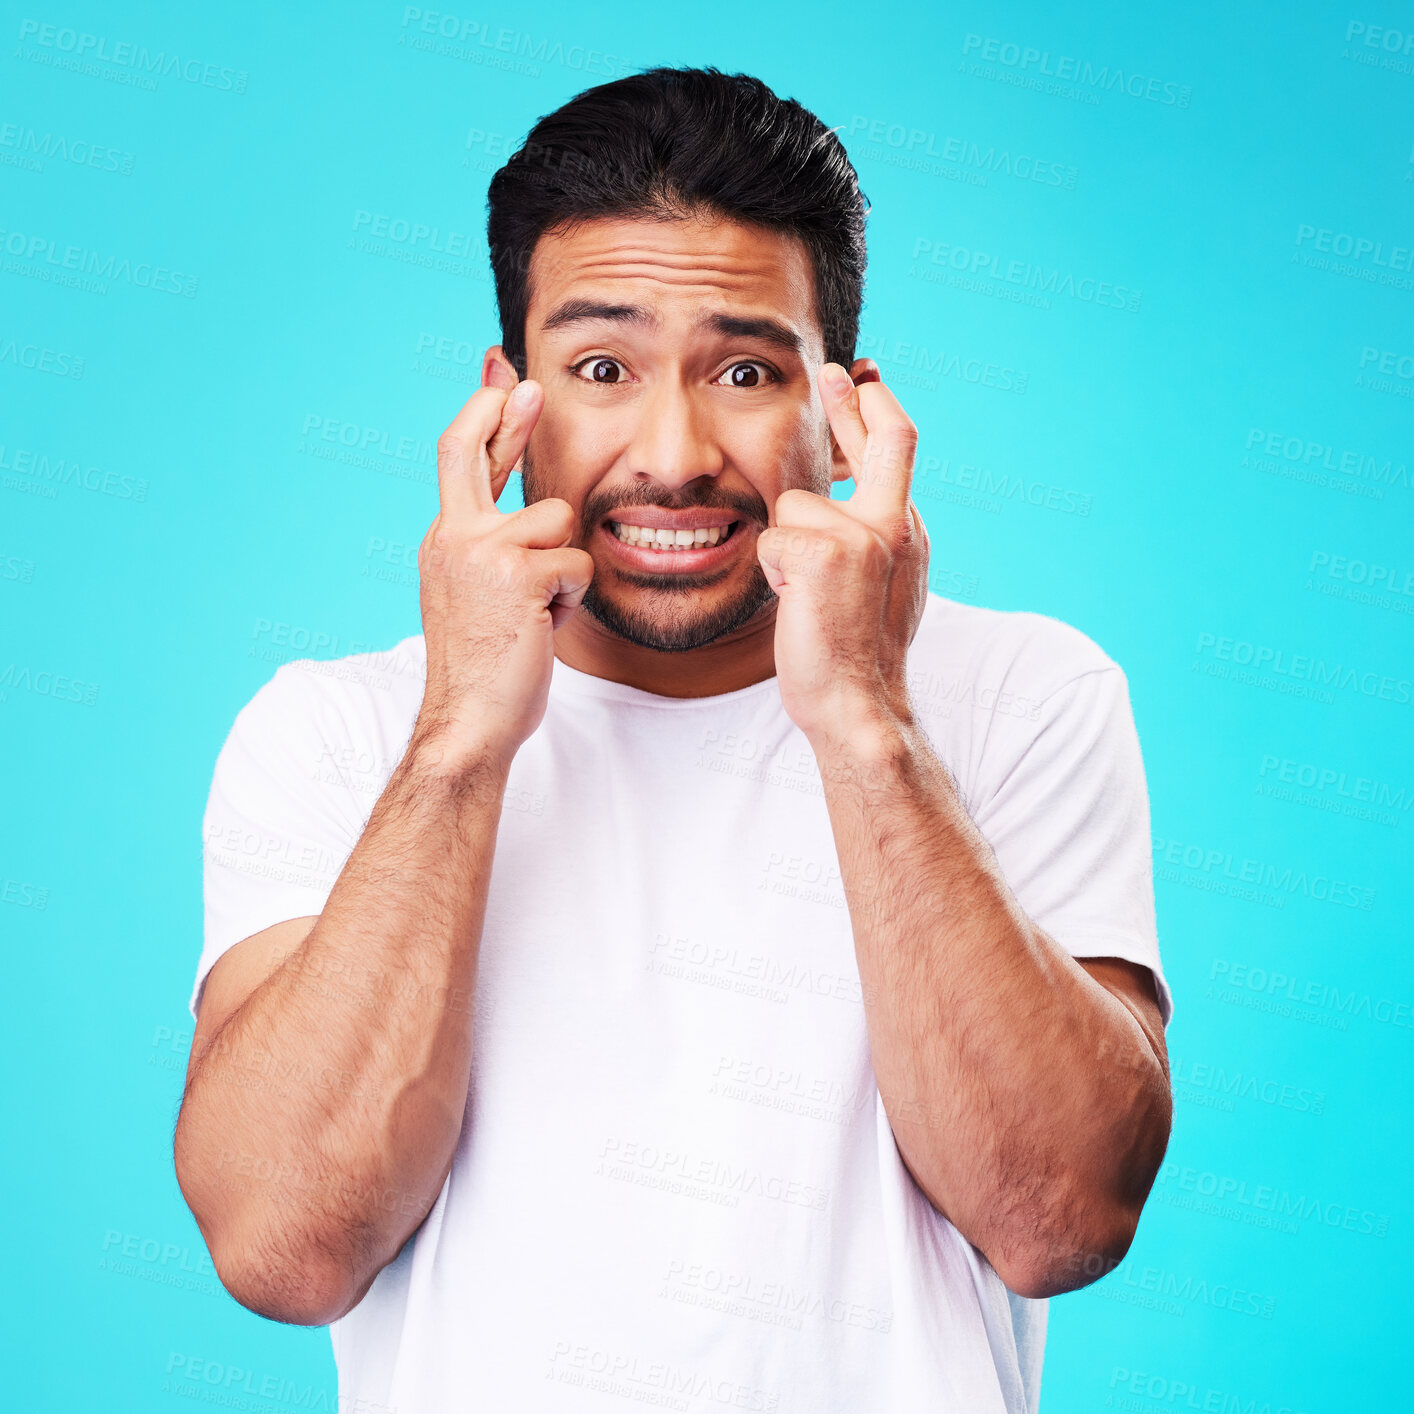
(665, 612)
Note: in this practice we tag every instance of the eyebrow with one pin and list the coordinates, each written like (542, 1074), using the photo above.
(732, 326)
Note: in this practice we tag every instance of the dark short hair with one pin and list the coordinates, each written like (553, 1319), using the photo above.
(672, 142)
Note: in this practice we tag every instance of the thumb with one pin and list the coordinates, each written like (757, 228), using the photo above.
(768, 557)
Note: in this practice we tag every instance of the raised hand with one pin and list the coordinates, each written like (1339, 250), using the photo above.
(494, 586)
(851, 576)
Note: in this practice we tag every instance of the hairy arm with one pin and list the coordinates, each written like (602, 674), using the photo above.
(305, 1190)
(1029, 1098)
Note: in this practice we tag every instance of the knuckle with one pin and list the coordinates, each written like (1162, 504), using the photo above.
(503, 565)
(819, 556)
(440, 541)
(543, 581)
(433, 550)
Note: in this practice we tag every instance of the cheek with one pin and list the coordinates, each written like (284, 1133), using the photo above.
(778, 454)
(575, 442)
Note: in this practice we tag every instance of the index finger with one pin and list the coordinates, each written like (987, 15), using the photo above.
(463, 463)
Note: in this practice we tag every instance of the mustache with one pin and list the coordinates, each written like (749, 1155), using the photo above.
(712, 498)
(604, 501)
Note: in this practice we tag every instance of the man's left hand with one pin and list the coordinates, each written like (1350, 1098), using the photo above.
(851, 576)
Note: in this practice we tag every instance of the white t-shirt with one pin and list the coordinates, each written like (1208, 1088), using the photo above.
(676, 1185)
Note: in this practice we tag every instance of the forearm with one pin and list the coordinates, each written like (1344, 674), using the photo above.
(1025, 1098)
(318, 1183)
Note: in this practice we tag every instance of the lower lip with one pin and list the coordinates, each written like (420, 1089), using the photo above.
(700, 557)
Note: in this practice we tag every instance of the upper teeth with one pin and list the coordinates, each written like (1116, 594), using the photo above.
(649, 537)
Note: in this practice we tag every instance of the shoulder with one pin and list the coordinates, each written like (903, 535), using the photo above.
(1026, 652)
(360, 693)
(995, 688)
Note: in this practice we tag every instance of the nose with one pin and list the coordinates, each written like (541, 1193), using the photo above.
(673, 441)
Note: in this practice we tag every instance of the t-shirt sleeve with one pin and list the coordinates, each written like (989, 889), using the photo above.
(1066, 811)
(280, 820)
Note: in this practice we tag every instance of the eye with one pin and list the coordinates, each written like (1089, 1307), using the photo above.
(601, 369)
(752, 379)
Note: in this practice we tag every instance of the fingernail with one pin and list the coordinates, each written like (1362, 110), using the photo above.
(838, 381)
(523, 394)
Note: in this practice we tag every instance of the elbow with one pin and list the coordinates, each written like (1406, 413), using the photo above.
(297, 1293)
(292, 1282)
(1069, 1261)
(1083, 1229)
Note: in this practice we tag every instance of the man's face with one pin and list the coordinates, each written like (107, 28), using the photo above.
(678, 361)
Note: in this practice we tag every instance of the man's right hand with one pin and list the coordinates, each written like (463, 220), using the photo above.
(494, 586)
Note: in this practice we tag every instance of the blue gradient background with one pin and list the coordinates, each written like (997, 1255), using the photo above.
(158, 581)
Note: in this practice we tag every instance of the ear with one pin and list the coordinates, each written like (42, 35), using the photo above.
(496, 369)
(862, 370)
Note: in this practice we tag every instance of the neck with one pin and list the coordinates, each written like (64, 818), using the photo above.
(738, 660)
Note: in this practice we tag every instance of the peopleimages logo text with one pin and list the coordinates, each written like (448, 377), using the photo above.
(1068, 69)
(1282, 878)
(1264, 658)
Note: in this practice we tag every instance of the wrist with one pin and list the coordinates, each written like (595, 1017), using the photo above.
(440, 756)
(863, 735)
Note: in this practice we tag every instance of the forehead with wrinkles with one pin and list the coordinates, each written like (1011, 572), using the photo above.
(676, 269)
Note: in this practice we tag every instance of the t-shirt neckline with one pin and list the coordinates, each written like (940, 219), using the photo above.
(567, 679)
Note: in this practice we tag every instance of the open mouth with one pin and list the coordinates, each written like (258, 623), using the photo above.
(667, 541)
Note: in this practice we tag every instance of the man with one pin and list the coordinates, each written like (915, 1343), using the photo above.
(729, 980)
